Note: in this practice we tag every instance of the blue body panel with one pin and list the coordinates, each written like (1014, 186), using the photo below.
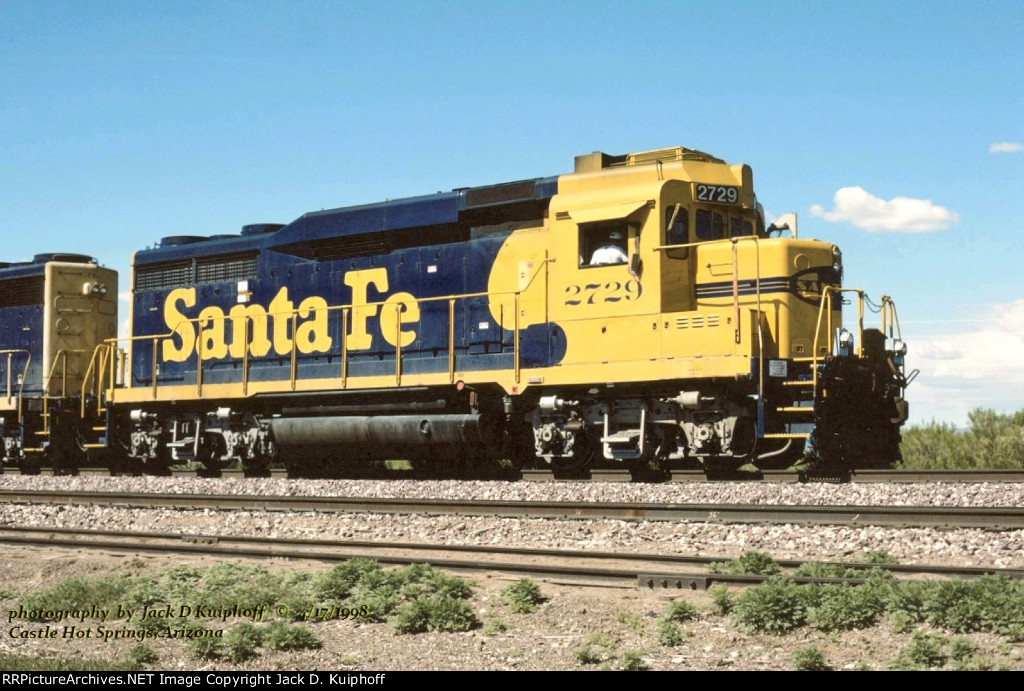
(430, 247)
(21, 325)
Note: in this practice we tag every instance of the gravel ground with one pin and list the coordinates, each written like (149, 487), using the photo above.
(547, 638)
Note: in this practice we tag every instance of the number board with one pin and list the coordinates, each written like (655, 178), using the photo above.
(719, 194)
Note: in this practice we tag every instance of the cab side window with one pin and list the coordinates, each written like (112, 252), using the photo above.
(677, 225)
(710, 225)
(604, 243)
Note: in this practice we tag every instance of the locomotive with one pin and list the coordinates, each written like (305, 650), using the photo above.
(635, 313)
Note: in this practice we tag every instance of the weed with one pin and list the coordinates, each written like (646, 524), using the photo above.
(586, 655)
(879, 557)
(441, 612)
(593, 648)
(680, 611)
(668, 633)
(722, 599)
(632, 661)
(79, 593)
(241, 642)
(140, 655)
(600, 639)
(494, 626)
(901, 622)
(207, 645)
(523, 596)
(963, 656)
(338, 583)
(752, 562)
(630, 619)
(775, 606)
(281, 636)
(923, 652)
(810, 659)
(843, 607)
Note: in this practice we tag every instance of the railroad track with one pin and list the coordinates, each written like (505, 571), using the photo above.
(621, 569)
(675, 476)
(988, 518)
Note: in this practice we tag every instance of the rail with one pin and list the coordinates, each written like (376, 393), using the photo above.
(108, 361)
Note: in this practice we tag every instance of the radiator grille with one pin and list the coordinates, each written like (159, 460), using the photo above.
(21, 291)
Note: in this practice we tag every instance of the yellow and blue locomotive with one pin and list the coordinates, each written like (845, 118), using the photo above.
(636, 312)
(56, 313)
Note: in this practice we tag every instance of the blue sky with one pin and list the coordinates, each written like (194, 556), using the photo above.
(895, 130)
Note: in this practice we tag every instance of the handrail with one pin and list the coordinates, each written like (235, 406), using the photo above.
(736, 292)
(345, 312)
(24, 375)
(62, 357)
(889, 319)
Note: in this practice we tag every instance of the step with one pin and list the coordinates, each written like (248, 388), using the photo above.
(795, 409)
(626, 436)
(799, 382)
(786, 435)
(94, 446)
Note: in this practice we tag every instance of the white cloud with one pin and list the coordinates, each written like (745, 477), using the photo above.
(1005, 148)
(862, 209)
(975, 363)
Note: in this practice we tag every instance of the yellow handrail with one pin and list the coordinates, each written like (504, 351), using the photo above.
(889, 319)
(24, 375)
(344, 311)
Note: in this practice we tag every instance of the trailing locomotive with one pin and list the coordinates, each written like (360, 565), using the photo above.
(635, 312)
(54, 313)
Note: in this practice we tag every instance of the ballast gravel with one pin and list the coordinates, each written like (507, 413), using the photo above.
(551, 637)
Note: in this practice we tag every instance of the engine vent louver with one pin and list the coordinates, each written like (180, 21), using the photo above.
(18, 292)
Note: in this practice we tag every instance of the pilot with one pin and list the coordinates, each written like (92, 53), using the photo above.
(613, 251)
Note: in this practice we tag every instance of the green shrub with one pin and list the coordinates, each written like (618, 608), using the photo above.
(668, 633)
(435, 613)
(593, 648)
(753, 562)
(680, 610)
(632, 661)
(80, 593)
(241, 641)
(992, 440)
(523, 596)
(843, 608)
(810, 659)
(494, 626)
(963, 656)
(923, 652)
(206, 646)
(722, 599)
(775, 606)
(423, 580)
(879, 557)
(281, 636)
(630, 619)
(586, 655)
(337, 583)
(140, 655)
(816, 569)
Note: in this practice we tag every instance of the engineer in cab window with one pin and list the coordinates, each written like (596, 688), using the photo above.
(613, 251)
